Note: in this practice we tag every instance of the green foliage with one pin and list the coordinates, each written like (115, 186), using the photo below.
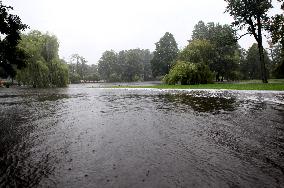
(108, 65)
(74, 78)
(247, 14)
(276, 27)
(200, 31)
(198, 51)
(59, 74)
(218, 35)
(186, 73)
(93, 77)
(80, 65)
(133, 65)
(279, 71)
(165, 54)
(79, 70)
(43, 66)
(277, 55)
(127, 65)
(215, 45)
(11, 57)
(231, 86)
(251, 67)
(251, 15)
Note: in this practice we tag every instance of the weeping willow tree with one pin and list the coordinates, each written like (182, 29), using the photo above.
(43, 66)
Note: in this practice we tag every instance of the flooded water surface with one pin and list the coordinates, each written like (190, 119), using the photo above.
(93, 137)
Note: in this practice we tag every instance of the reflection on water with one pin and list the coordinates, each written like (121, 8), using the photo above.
(92, 137)
(193, 101)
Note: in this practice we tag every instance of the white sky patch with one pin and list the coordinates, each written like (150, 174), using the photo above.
(90, 27)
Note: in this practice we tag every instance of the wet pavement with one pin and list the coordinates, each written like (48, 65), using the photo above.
(93, 137)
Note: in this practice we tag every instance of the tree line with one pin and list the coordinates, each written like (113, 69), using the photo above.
(226, 59)
(125, 66)
(212, 53)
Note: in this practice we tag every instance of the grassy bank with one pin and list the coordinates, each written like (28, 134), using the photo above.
(274, 86)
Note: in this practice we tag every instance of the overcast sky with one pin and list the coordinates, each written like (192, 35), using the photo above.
(90, 27)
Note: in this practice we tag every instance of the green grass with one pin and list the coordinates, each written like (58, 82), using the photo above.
(277, 86)
(259, 81)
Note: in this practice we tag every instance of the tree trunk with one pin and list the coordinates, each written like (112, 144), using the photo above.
(217, 77)
(262, 64)
(261, 53)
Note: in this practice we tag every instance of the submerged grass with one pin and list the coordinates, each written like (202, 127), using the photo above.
(277, 85)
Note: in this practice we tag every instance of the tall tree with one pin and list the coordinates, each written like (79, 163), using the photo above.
(276, 28)
(200, 31)
(147, 56)
(224, 57)
(164, 55)
(107, 65)
(277, 56)
(251, 67)
(81, 67)
(252, 15)
(80, 71)
(243, 64)
(134, 65)
(11, 57)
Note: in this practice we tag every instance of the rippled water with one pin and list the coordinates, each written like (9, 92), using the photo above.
(93, 137)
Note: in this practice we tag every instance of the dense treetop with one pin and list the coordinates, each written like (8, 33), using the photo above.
(43, 66)
(126, 65)
(11, 57)
(165, 53)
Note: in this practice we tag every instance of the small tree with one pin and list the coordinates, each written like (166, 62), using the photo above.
(252, 15)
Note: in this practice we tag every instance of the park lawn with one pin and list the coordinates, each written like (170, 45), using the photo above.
(228, 86)
(259, 81)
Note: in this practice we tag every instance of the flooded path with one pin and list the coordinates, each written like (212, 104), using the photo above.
(93, 137)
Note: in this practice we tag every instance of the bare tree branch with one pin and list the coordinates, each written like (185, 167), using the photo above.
(244, 35)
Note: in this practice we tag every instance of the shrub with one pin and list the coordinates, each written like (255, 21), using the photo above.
(186, 73)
